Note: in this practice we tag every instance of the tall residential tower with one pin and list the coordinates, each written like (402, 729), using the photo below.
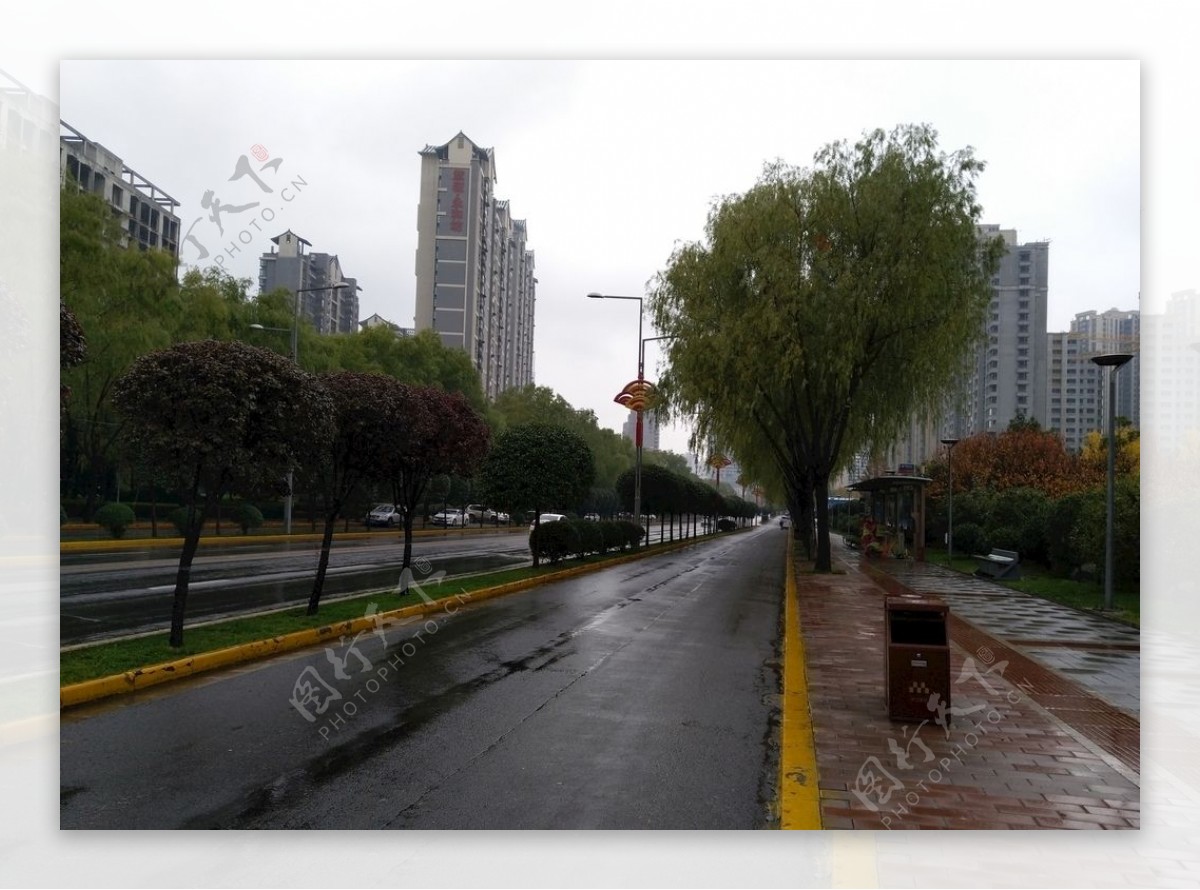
(475, 275)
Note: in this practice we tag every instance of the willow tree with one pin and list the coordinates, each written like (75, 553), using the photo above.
(827, 306)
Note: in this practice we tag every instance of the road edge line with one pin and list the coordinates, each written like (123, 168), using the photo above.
(799, 791)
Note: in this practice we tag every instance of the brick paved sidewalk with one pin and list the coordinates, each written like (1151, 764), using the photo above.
(1002, 760)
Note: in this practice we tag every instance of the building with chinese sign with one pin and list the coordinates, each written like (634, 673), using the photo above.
(475, 275)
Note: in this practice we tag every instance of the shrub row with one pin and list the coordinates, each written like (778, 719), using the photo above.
(555, 541)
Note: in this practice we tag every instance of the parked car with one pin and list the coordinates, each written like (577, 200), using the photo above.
(502, 518)
(594, 517)
(385, 516)
(450, 518)
(479, 513)
(785, 521)
(548, 517)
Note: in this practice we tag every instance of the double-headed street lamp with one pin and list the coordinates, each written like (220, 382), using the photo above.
(295, 330)
(635, 397)
(1113, 361)
(950, 443)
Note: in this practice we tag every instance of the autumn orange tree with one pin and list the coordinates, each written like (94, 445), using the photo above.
(1023, 456)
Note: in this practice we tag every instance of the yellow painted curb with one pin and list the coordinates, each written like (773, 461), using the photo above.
(142, 678)
(799, 794)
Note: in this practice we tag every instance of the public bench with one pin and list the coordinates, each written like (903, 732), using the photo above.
(1003, 565)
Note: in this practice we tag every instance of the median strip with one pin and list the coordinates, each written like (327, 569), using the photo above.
(152, 675)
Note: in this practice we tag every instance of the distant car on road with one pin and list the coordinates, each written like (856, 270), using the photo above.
(450, 519)
(785, 521)
(548, 517)
(385, 516)
(478, 513)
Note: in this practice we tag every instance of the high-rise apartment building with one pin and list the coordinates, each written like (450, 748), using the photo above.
(1009, 372)
(147, 213)
(1077, 389)
(314, 278)
(475, 274)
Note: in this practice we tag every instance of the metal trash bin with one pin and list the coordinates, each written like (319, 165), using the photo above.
(918, 657)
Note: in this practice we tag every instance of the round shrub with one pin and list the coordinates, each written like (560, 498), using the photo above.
(591, 538)
(248, 517)
(178, 518)
(614, 538)
(631, 533)
(726, 525)
(554, 541)
(1006, 537)
(114, 517)
(969, 538)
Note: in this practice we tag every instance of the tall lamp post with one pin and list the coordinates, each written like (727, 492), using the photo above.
(634, 396)
(950, 443)
(295, 329)
(1113, 361)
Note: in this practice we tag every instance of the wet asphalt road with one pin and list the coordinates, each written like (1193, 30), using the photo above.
(642, 696)
(112, 594)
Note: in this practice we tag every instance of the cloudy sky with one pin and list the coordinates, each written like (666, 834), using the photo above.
(612, 164)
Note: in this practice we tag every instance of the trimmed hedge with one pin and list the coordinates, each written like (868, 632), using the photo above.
(114, 517)
(554, 541)
(248, 517)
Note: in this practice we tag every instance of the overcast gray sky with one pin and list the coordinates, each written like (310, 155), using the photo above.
(612, 164)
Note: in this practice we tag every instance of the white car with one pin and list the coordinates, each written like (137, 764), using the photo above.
(450, 519)
(385, 515)
(547, 517)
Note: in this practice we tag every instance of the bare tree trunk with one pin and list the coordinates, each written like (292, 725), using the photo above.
(191, 543)
(314, 598)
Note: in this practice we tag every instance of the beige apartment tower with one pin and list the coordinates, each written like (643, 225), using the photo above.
(475, 275)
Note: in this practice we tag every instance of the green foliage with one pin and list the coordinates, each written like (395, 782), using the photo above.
(536, 467)
(178, 517)
(1063, 556)
(1088, 534)
(115, 518)
(1022, 515)
(554, 541)
(591, 536)
(970, 538)
(632, 532)
(527, 405)
(248, 517)
(867, 262)
(614, 536)
(726, 525)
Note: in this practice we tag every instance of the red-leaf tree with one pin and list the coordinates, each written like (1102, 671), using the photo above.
(1023, 456)
(433, 432)
(213, 418)
(365, 412)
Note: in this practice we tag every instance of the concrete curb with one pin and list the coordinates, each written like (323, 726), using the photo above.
(799, 789)
(152, 675)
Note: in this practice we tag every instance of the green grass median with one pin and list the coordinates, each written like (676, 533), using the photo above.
(90, 662)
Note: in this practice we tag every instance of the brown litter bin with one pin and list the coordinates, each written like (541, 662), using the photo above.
(918, 658)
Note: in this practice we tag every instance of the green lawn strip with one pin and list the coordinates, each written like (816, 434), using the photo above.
(1084, 595)
(107, 659)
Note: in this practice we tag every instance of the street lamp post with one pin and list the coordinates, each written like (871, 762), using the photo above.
(1113, 361)
(637, 467)
(950, 443)
(295, 329)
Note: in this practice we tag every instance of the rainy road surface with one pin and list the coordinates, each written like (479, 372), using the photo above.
(641, 696)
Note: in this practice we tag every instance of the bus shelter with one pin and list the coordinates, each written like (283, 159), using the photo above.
(896, 510)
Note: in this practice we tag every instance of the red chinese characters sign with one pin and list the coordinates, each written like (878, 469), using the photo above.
(459, 178)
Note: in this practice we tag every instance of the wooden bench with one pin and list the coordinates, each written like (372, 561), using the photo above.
(1003, 565)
